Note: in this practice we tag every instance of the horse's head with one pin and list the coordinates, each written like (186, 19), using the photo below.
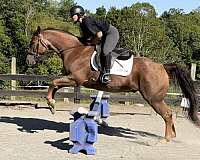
(38, 46)
(50, 39)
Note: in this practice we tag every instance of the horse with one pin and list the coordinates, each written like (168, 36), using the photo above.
(149, 78)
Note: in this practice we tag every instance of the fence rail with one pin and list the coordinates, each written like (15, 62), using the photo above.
(23, 77)
(77, 95)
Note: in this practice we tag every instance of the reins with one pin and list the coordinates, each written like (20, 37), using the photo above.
(70, 48)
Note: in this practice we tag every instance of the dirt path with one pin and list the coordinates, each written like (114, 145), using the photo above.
(133, 134)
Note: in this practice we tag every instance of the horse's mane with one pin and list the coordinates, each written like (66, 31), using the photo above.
(62, 31)
(59, 30)
(81, 40)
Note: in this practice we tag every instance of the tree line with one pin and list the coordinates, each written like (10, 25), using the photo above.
(172, 37)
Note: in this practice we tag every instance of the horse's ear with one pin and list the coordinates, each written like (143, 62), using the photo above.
(38, 30)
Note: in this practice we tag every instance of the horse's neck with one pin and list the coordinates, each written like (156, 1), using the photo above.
(69, 47)
(61, 40)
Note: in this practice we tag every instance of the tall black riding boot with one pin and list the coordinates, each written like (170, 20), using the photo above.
(106, 75)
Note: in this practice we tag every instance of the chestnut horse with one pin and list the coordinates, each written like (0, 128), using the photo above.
(149, 78)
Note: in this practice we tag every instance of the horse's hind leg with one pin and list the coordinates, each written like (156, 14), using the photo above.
(154, 83)
(166, 113)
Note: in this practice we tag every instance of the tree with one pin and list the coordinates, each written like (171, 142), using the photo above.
(5, 43)
(52, 66)
(20, 19)
(194, 42)
(142, 32)
(64, 7)
(182, 30)
(101, 13)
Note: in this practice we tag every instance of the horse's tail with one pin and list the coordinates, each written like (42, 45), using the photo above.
(187, 86)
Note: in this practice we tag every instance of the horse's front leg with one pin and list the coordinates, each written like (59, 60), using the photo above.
(65, 81)
(50, 97)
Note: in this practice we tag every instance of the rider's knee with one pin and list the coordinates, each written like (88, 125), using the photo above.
(106, 51)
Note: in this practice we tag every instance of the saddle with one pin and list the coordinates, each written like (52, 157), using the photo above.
(117, 53)
(122, 53)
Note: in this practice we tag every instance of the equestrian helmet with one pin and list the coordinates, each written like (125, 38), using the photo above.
(77, 10)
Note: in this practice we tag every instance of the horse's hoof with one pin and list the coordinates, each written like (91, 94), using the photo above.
(164, 141)
(101, 122)
(51, 104)
(104, 124)
(52, 110)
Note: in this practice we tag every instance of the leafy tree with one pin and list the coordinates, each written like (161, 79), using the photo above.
(178, 30)
(194, 42)
(20, 19)
(101, 13)
(142, 32)
(172, 37)
(52, 66)
(64, 7)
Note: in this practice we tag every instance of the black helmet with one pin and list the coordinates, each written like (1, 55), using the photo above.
(77, 10)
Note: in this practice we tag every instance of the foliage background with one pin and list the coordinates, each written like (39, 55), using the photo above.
(173, 37)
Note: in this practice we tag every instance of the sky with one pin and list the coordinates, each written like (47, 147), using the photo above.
(159, 5)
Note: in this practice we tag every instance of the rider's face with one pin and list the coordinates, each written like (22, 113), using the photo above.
(75, 18)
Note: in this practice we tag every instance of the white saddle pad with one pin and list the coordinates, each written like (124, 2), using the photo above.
(120, 67)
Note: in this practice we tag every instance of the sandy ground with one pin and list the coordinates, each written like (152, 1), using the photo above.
(133, 134)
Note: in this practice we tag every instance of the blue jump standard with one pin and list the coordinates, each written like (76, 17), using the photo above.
(83, 133)
(102, 107)
(84, 130)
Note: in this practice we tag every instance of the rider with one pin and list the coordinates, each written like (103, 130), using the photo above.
(105, 32)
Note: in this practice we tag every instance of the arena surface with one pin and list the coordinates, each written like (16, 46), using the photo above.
(133, 134)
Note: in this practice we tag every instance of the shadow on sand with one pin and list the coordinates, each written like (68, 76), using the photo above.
(34, 125)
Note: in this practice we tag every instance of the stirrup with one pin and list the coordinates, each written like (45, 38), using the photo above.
(105, 78)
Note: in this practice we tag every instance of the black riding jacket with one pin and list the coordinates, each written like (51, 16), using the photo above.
(91, 26)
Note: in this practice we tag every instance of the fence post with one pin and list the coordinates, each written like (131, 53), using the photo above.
(193, 71)
(76, 94)
(13, 71)
(66, 90)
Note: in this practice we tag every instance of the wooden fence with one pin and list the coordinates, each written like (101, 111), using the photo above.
(76, 94)
(29, 92)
